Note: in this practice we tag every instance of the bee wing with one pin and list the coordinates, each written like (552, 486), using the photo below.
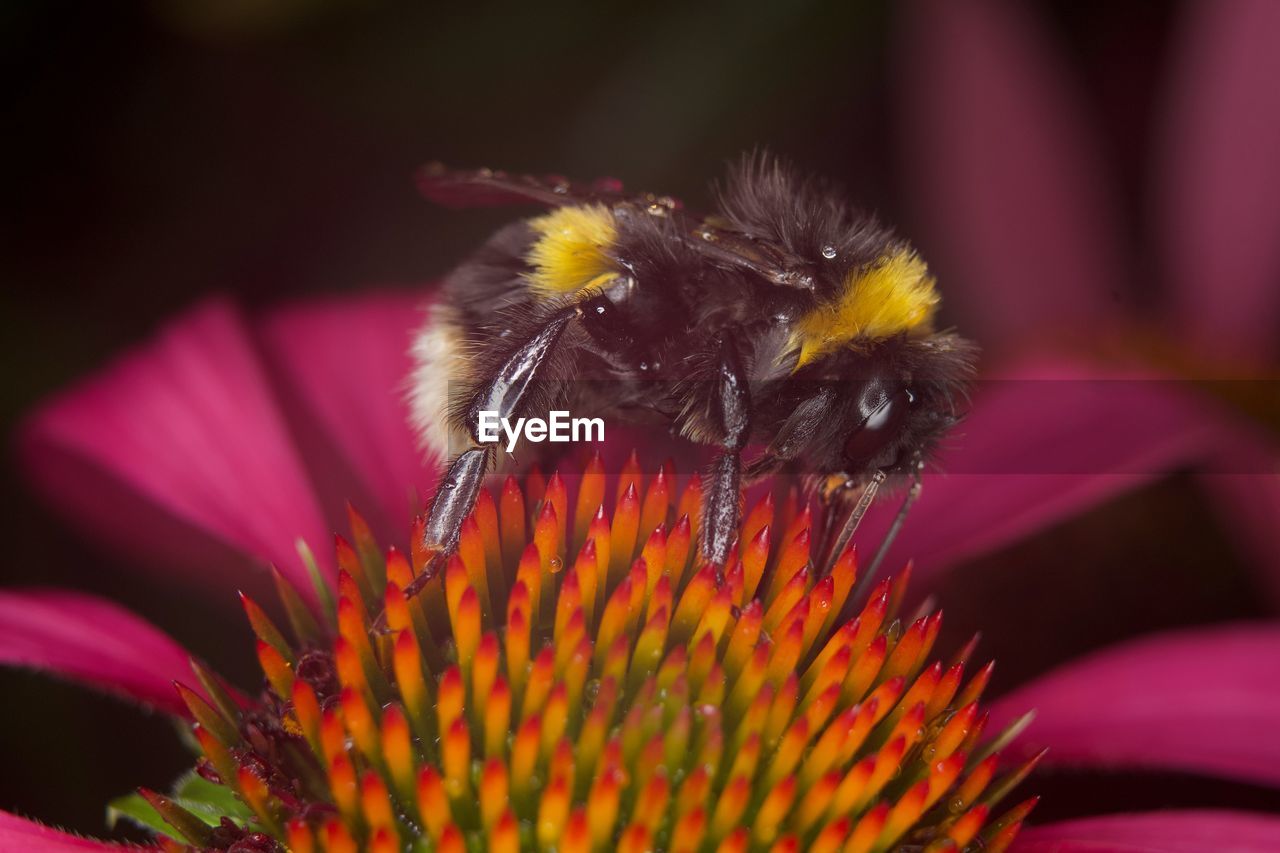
(460, 188)
(488, 188)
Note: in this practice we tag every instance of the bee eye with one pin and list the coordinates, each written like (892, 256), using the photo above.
(880, 427)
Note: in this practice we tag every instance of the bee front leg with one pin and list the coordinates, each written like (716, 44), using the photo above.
(730, 415)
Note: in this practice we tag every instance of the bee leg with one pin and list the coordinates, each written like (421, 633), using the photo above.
(454, 499)
(854, 518)
(507, 393)
(721, 507)
(917, 485)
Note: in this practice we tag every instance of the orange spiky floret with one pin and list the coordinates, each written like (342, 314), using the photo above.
(576, 679)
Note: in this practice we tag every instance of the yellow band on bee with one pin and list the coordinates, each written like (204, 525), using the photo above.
(896, 295)
(571, 251)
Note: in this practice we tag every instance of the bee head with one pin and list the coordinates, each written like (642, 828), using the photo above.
(856, 411)
(901, 397)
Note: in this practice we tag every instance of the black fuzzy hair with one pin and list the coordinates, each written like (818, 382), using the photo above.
(770, 200)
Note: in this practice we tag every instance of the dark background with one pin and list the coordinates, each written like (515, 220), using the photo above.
(158, 152)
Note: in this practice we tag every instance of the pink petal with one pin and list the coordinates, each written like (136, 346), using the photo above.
(348, 360)
(1218, 206)
(1048, 440)
(1248, 505)
(1156, 832)
(1005, 176)
(1042, 443)
(18, 833)
(187, 423)
(1201, 701)
(94, 641)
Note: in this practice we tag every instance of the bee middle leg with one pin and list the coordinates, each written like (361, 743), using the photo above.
(730, 415)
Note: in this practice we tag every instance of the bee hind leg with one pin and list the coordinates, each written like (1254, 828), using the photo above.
(454, 499)
(507, 393)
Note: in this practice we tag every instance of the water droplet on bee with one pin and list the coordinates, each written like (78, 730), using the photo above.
(828, 252)
(555, 564)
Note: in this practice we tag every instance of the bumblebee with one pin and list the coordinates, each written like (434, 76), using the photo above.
(785, 322)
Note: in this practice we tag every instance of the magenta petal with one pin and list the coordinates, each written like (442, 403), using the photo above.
(1201, 701)
(94, 641)
(1042, 443)
(1016, 216)
(1248, 505)
(1218, 173)
(20, 834)
(348, 360)
(1156, 832)
(187, 422)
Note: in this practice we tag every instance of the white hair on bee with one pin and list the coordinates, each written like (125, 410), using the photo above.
(438, 360)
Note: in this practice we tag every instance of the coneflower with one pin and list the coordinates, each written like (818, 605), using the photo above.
(576, 681)
(1199, 701)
